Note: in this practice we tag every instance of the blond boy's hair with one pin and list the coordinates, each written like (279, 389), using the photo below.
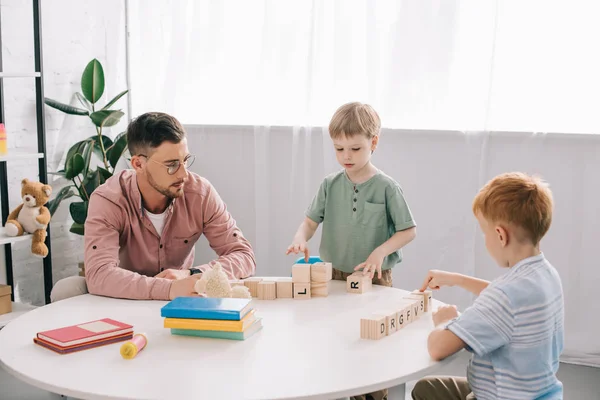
(355, 119)
(518, 199)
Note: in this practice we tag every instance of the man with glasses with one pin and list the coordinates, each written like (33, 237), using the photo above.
(143, 223)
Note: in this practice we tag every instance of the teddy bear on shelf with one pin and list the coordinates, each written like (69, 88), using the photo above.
(31, 216)
(214, 283)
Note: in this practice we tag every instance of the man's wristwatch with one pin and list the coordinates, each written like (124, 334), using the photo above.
(195, 271)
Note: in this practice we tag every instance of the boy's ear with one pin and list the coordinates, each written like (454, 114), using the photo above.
(502, 234)
(374, 142)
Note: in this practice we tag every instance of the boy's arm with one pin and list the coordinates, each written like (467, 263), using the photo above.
(305, 232)
(397, 241)
(435, 279)
(443, 343)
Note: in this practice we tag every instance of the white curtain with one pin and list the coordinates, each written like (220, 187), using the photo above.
(256, 82)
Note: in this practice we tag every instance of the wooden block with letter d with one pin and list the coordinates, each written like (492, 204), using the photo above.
(267, 290)
(373, 327)
(285, 288)
(427, 296)
(301, 290)
(358, 283)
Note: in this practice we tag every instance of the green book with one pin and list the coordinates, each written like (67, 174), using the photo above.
(251, 330)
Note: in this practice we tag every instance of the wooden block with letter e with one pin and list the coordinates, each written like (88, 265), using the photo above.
(321, 272)
(358, 283)
(301, 273)
(373, 327)
(252, 285)
(427, 296)
(285, 288)
(301, 290)
(267, 290)
(319, 289)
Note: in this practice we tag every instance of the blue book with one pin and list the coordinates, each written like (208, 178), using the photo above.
(252, 329)
(206, 308)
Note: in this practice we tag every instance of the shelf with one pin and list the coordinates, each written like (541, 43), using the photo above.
(20, 74)
(8, 239)
(18, 309)
(20, 155)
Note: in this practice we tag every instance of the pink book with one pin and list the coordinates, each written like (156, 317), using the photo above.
(84, 333)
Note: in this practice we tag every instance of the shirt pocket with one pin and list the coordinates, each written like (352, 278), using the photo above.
(373, 215)
(183, 241)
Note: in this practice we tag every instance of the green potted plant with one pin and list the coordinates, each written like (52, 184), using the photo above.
(84, 177)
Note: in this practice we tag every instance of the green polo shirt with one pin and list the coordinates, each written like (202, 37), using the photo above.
(358, 218)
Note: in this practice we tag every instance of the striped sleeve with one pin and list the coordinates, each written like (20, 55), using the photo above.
(488, 324)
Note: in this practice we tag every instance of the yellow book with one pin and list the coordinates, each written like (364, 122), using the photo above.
(211, 324)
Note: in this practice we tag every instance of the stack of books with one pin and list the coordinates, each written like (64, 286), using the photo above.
(218, 318)
(84, 336)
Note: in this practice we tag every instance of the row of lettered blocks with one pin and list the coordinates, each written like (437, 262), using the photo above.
(379, 325)
(307, 280)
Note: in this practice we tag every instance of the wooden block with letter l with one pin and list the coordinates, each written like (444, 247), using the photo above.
(301, 290)
(285, 288)
(252, 285)
(321, 272)
(358, 283)
(373, 327)
(301, 273)
(267, 290)
(427, 296)
(319, 289)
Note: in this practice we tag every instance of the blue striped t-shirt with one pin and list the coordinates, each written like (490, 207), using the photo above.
(515, 330)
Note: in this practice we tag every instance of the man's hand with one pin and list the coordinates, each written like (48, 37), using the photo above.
(298, 247)
(174, 274)
(435, 279)
(444, 314)
(184, 287)
(372, 265)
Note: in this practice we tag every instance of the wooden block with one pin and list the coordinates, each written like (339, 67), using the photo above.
(301, 290)
(427, 297)
(252, 285)
(285, 288)
(391, 322)
(373, 327)
(5, 303)
(321, 272)
(418, 305)
(301, 273)
(358, 283)
(267, 290)
(236, 282)
(319, 289)
(404, 315)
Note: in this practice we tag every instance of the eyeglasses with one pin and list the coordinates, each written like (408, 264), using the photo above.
(173, 167)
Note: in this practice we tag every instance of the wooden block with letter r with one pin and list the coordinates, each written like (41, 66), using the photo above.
(301, 290)
(358, 283)
(373, 327)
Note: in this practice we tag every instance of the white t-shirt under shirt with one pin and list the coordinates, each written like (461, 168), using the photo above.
(158, 220)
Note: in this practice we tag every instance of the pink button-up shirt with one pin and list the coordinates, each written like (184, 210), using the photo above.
(123, 251)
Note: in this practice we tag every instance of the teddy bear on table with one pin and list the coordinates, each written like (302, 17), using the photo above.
(31, 216)
(214, 283)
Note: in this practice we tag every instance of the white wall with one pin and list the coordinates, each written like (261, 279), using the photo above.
(73, 33)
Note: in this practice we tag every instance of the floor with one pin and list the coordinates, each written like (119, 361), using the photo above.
(580, 383)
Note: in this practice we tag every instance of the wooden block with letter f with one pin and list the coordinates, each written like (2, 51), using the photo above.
(358, 283)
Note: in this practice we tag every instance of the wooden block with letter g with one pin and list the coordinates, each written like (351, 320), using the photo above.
(358, 283)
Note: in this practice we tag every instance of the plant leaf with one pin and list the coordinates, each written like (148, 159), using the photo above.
(92, 81)
(79, 211)
(91, 182)
(106, 118)
(77, 229)
(59, 173)
(62, 194)
(114, 100)
(104, 174)
(115, 152)
(74, 166)
(106, 141)
(84, 102)
(65, 107)
(87, 155)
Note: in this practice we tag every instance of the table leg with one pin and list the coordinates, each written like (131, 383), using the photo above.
(397, 392)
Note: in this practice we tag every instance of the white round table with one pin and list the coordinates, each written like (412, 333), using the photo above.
(307, 349)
